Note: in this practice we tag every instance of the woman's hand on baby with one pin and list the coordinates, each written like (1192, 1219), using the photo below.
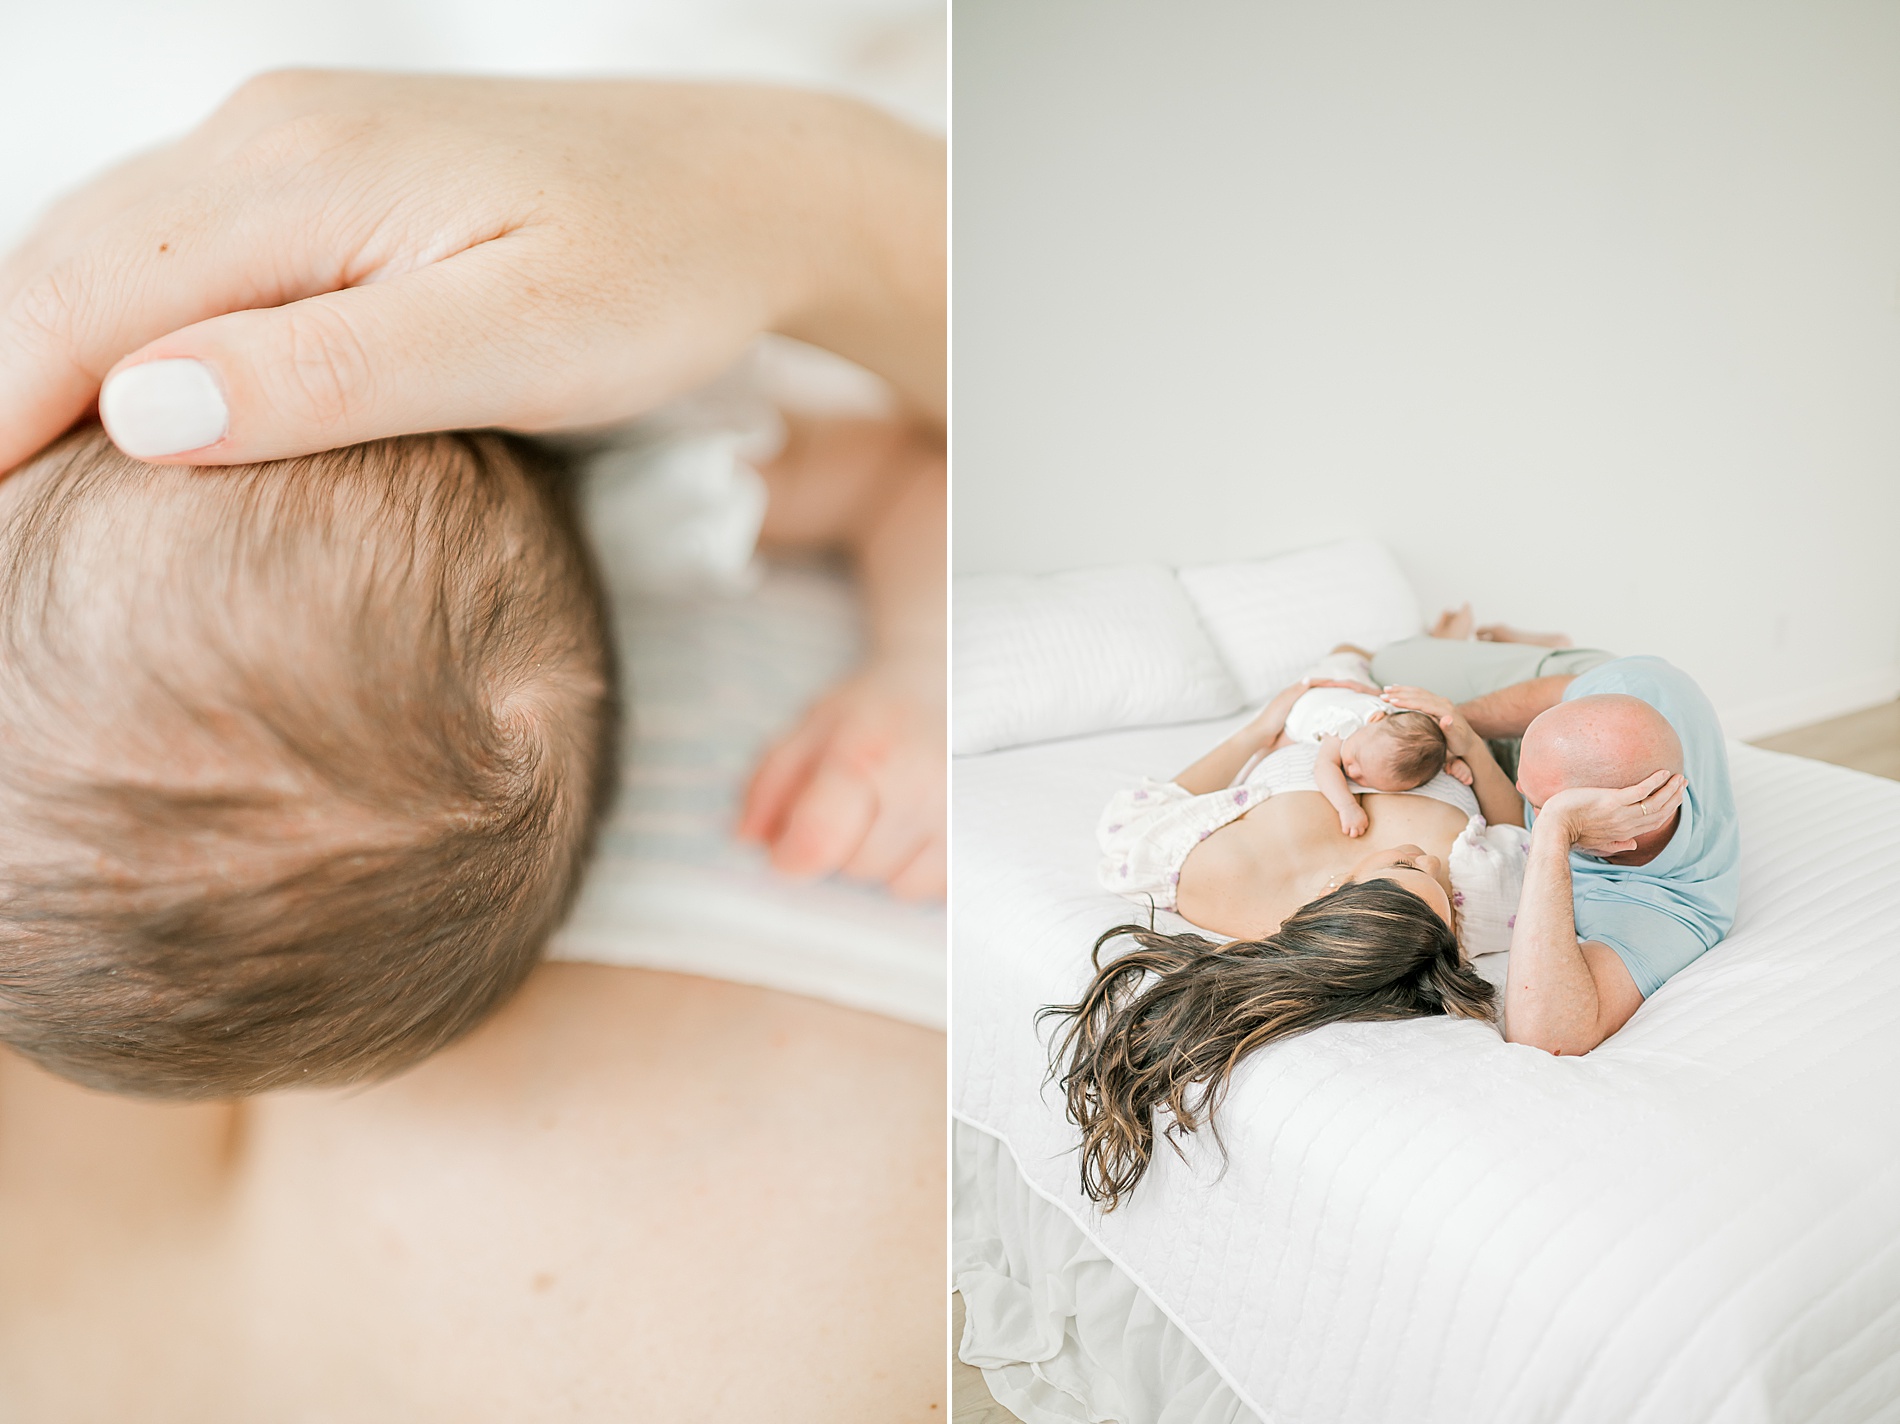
(1460, 740)
(333, 257)
(858, 786)
(1609, 821)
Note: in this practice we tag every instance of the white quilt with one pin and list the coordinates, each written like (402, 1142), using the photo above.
(1700, 1221)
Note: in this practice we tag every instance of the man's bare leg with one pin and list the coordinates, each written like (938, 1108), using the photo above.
(1504, 633)
(1454, 623)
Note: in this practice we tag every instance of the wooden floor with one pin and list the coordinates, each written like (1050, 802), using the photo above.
(970, 1401)
(1866, 741)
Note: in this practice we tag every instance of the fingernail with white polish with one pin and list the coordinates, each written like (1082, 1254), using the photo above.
(163, 408)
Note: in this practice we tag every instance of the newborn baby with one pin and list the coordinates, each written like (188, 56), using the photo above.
(301, 759)
(1362, 738)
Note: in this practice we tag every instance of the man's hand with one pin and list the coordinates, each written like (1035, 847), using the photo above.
(1604, 822)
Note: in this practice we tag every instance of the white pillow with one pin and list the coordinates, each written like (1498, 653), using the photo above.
(1272, 619)
(1059, 655)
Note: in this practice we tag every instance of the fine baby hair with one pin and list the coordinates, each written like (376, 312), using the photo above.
(1418, 746)
(301, 759)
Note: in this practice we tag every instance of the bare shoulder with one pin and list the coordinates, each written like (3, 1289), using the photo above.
(620, 1185)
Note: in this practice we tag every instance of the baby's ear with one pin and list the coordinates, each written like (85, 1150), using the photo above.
(1378, 716)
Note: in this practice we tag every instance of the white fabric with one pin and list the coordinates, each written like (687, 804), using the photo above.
(718, 654)
(1063, 1336)
(1146, 831)
(1699, 1221)
(708, 680)
(1057, 655)
(1487, 880)
(1271, 618)
(1335, 711)
(674, 513)
(674, 503)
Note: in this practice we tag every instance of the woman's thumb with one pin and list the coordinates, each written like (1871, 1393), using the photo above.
(418, 352)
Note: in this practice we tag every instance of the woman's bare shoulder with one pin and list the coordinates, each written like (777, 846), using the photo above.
(644, 1175)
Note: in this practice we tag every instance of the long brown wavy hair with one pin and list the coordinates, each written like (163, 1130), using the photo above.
(1165, 1024)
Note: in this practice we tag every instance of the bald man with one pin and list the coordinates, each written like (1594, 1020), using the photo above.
(1634, 863)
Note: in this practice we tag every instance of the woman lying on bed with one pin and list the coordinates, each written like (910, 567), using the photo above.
(1324, 926)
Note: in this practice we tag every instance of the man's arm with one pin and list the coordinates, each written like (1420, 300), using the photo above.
(1509, 710)
(1563, 995)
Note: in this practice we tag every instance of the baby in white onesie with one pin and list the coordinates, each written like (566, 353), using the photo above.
(1362, 739)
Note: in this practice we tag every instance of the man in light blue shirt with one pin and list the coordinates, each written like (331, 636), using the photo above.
(1660, 912)
(1634, 867)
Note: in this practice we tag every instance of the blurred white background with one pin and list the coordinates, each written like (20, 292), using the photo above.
(84, 82)
(1590, 311)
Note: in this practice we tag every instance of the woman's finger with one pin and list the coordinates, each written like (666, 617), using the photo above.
(440, 348)
(1417, 699)
(161, 266)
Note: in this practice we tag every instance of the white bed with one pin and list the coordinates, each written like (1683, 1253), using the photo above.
(1419, 1222)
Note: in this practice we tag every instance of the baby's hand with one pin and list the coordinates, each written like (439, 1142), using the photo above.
(1353, 821)
(857, 786)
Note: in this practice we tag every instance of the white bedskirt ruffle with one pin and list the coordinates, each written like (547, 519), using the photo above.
(1061, 1333)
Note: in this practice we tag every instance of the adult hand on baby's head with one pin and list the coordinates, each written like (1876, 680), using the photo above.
(858, 786)
(1459, 738)
(335, 257)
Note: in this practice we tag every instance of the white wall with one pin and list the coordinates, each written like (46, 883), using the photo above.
(1590, 310)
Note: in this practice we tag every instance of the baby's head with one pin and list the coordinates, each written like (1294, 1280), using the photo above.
(1395, 752)
(298, 761)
